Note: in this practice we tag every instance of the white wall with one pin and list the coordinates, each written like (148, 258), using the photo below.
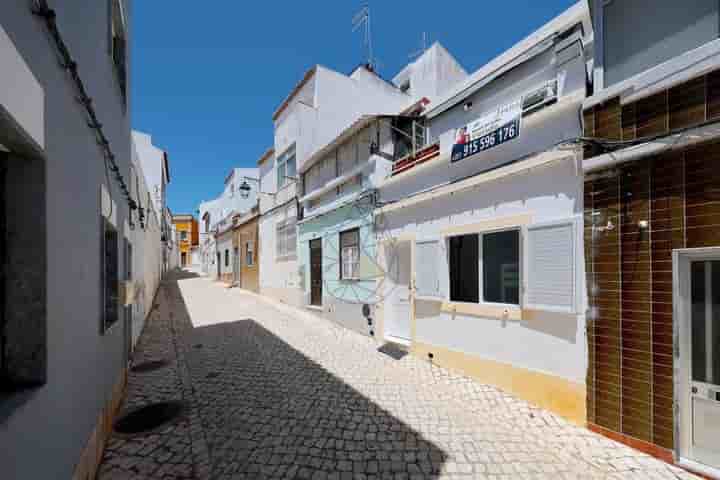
(432, 74)
(556, 346)
(44, 430)
(278, 277)
(22, 100)
(151, 158)
(224, 243)
(146, 242)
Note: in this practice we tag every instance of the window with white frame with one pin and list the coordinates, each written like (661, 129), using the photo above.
(285, 166)
(249, 252)
(286, 239)
(485, 267)
(350, 254)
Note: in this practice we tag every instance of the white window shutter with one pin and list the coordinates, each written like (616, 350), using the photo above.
(550, 263)
(428, 281)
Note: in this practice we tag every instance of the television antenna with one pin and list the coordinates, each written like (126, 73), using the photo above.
(362, 20)
(423, 46)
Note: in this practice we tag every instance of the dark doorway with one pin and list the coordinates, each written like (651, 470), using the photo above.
(316, 272)
(218, 264)
(183, 259)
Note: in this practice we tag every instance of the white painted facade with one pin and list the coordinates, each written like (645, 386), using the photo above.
(279, 277)
(229, 202)
(146, 244)
(519, 185)
(69, 354)
(323, 105)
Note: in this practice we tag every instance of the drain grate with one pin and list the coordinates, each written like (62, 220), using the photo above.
(149, 366)
(393, 351)
(148, 417)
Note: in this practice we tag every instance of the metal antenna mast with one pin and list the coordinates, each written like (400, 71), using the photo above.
(362, 19)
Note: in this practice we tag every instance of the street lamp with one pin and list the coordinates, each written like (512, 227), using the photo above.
(245, 187)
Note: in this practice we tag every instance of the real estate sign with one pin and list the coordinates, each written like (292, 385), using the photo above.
(490, 130)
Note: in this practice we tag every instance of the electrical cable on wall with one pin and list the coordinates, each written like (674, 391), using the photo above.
(41, 9)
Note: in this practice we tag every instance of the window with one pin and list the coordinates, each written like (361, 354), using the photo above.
(109, 275)
(286, 239)
(227, 257)
(350, 254)
(464, 266)
(286, 167)
(183, 235)
(500, 267)
(118, 44)
(128, 260)
(249, 253)
(408, 132)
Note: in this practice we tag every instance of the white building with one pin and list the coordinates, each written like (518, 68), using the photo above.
(321, 106)
(146, 248)
(336, 237)
(481, 241)
(156, 168)
(231, 201)
(65, 206)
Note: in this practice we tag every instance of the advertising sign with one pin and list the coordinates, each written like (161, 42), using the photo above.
(492, 129)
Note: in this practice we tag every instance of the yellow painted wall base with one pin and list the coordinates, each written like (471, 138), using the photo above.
(560, 396)
(92, 454)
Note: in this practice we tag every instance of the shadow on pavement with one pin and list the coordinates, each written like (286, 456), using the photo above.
(267, 410)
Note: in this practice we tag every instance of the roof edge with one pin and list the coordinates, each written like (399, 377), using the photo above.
(285, 103)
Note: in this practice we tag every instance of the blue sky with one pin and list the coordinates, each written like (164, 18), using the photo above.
(207, 78)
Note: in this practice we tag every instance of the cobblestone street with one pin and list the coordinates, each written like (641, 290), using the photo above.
(270, 393)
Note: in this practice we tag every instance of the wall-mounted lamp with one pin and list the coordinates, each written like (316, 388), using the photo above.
(245, 187)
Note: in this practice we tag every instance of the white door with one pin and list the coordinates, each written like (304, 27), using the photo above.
(397, 320)
(699, 342)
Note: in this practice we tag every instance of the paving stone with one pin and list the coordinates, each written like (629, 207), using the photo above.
(271, 393)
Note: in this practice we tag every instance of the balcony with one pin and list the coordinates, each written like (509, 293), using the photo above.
(421, 156)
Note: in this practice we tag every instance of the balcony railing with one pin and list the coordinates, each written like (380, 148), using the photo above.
(421, 156)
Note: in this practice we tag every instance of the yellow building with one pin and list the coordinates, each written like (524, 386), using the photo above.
(188, 236)
(246, 247)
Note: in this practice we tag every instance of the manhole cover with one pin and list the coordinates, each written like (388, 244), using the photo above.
(147, 418)
(149, 366)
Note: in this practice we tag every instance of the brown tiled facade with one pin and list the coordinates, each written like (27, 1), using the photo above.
(629, 268)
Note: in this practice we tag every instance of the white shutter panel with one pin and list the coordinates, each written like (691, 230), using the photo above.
(427, 269)
(550, 263)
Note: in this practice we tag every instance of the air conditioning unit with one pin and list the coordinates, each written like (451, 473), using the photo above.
(540, 98)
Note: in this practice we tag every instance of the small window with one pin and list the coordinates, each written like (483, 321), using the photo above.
(286, 168)
(128, 260)
(110, 275)
(501, 267)
(249, 254)
(227, 258)
(286, 238)
(464, 266)
(350, 254)
(183, 235)
(118, 44)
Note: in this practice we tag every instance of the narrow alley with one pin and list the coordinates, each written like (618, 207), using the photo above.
(269, 392)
